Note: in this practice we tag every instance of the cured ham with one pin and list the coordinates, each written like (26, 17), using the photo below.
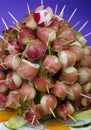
(59, 44)
(25, 35)
(48, 102)
(13, 80)
(65, 110)
(27, 92)
(27, 70)
(11, 61)
(43, 83)
(70, 72)
(60, 90)
(52, 64)
(3, 99)
(67, 58)
(13, 99)
(84, 75)
(46, 35)
(35, 50)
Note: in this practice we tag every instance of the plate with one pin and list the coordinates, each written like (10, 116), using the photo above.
(19, 9)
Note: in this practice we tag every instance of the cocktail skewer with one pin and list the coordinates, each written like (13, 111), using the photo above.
(62, 11)
(56, 7)
(73, 13)
(12, 16)
(4, 23)
(75, 24)
(83, 26)
(28, 8)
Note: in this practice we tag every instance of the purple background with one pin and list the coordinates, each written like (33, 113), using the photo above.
(19, 8)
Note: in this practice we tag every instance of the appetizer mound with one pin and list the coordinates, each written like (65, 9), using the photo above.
(45, 67)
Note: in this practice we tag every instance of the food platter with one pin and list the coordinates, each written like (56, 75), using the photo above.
(26, 49)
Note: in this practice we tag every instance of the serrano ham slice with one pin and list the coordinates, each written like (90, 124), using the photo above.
(52, 64)
(35, 50)
(28, 70)
(46, 34)
(43, 83)
(60, 90)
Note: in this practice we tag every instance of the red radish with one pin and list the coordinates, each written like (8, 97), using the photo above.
(52, 64)
(65, 110)
(11, 61)
(49, 102)
(2, 75)
(13, 99)
(67, 58)
(28, 70)
(59, 44)
(13, 80)
(3, 87)
(43, 16)
(27, 92)
(43, 83)
(46, 34)
(60, 90)
(84, 75)
(69, 75)
(35, 50)
(25, 35)
(77, 50)
(3, 99)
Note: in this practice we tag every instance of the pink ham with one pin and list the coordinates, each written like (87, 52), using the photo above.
(3, 99)
(13, 99)
(67, 58)
(87, 50)
(48, 102)
(35, 111)
(11, 61)
(28, 70)
(3, 87)
(85, 61)
(63, 25)
(27, 92)
(15, 46)
(65, 110)
(43, 83)
(46, 34)
(75, 92)
(25, 35)
(2, 75)
(35, 50)
(13, 80)
(84, 75)
(77, 50)
(67, 35)
(51, 64)
(59, 44)
(69, 75)
(60, 90)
